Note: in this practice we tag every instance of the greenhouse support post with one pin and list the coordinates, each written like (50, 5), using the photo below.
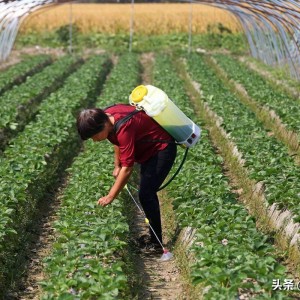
(190, 27)
(131, 25)
(71, 29)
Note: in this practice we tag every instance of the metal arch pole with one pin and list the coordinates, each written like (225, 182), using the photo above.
(190, 27)
(131, 25)
(71, 28)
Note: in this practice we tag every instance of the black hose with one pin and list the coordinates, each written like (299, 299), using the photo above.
(175, 174)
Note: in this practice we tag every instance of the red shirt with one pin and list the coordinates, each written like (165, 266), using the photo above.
(134, 135)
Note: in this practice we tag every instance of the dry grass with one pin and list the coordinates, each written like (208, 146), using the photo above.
(115, 18)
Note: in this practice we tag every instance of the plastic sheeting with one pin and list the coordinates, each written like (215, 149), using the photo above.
(11, 15)
(272, 27)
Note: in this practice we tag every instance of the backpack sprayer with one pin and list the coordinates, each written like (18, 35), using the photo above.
(157, 105)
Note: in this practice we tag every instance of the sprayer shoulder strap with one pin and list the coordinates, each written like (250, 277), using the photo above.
(123, 120)
(160, 141)
(120, 122)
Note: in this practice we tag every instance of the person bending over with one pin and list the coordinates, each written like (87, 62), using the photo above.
(139, 139)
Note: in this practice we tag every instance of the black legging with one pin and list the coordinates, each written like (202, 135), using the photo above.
(153, 173)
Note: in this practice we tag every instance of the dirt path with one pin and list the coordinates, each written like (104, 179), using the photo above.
(159, 280)
(16, 55)
(147, 60)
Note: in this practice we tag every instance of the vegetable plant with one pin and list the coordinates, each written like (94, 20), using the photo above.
(229, 254)
(88, 260)
(18, 73)
(33, 161)
(266, 159)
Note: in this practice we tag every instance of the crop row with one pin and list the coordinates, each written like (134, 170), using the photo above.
(21, 103)
(230, 257)
(266, 159)
(276, 76)
(18, 73)
(88, 260)
(31, 164)
(258, 88)
(270, 120)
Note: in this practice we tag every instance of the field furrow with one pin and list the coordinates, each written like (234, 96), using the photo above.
(18, 73)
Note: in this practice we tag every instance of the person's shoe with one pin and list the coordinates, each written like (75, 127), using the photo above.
(153, 247)
(148, 243)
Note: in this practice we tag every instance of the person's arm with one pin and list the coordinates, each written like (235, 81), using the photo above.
(124, 157)
(117, 163)
(120, 182)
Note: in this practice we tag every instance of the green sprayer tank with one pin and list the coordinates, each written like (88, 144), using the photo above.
(157, 105)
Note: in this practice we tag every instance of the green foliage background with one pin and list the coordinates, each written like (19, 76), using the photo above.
(212, 40)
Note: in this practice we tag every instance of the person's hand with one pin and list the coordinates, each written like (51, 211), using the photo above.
(105, 200)
(116, 171)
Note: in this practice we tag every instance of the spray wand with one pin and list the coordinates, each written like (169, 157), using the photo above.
(167, 255)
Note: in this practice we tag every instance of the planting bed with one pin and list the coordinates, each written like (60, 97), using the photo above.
(34, 159)
(18, 73)
(91, 245)
(230, 257)
(20, 104)
(226, 256)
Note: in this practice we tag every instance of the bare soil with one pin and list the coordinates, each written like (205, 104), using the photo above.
(159, 280)
(147, 60)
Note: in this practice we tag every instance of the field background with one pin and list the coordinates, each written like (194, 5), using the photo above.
(115, 18)
(156, 27)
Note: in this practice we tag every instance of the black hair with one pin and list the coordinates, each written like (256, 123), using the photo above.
(90, 122)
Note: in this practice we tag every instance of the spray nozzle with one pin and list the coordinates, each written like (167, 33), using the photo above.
(167, 255)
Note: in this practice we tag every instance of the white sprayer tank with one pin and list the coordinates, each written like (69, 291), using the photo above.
(157, 105)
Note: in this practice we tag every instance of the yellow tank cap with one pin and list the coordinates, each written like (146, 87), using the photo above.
(138, 93)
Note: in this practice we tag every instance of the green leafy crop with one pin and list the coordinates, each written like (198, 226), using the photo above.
(229, 253)
(31, 163)
(87, 258)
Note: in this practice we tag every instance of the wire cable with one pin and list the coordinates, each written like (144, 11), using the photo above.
(178, 170)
